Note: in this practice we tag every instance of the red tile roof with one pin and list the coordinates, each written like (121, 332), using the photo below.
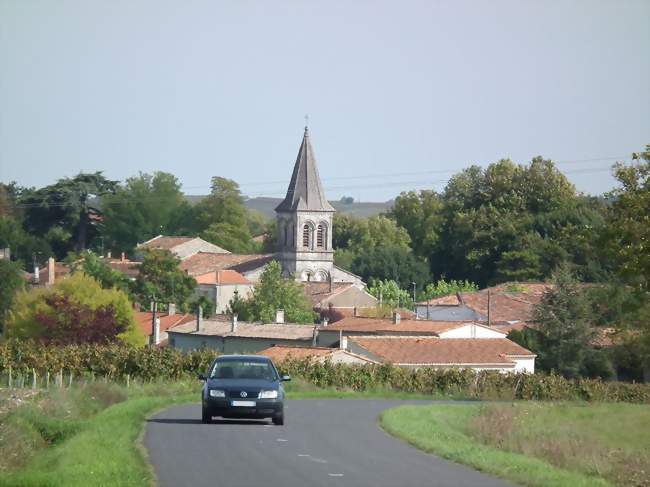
(384, 325)
(317, 292)
(225, 276)
(166, 321)
(280, 352)
(204, 262)
(438, 351)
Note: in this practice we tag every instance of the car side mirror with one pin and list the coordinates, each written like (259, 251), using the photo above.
(202, 377)
(286, 378)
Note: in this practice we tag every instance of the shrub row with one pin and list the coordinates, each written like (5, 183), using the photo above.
(115, 361)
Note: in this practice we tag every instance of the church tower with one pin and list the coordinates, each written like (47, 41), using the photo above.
(305, 221)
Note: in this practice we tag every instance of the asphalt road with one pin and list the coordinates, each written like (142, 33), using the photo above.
(329, 443)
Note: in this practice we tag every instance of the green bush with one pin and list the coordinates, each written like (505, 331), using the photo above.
(116, 362)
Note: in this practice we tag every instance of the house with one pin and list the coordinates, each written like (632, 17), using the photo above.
(219, 287)
(182, 247)
(334, 301)
(280, 353)
(506, 306)
(228, 335)
(51, 273)
(130, 268)
(499, 354)
(165, 321)
(332, 334)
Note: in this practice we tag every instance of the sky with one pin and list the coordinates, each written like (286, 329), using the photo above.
(400, 94)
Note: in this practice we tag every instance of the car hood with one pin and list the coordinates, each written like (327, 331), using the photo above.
(229, 384)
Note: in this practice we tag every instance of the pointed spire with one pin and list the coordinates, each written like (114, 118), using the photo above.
(305, 190)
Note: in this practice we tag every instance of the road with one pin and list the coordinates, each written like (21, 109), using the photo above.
(332, 443)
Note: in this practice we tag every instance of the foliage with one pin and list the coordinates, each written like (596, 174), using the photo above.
(12, 282)
(90, 264)
(445, 288)
(141, 209)
(149, 363)
(161, 279)
(393, 263)
(389, 293)
(629, 232)
(236, 239)
(207, 306)
(421, 215)
(81, 294)
(271, 294)
(66, 208)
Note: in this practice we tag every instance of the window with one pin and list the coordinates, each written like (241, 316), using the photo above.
(306, 235)
(320, 236)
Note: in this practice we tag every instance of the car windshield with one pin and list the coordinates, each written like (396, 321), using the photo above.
(243, 369)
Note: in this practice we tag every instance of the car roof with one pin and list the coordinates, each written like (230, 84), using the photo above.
(251, 358)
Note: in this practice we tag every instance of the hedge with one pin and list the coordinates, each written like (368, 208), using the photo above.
(116, 362)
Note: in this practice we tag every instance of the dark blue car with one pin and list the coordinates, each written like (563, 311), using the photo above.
(243, 386)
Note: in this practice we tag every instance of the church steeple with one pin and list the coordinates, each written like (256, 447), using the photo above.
(305, 192)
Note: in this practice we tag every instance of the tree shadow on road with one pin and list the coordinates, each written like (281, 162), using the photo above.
(250, 422)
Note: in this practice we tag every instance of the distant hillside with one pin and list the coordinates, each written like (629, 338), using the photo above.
(266, 206)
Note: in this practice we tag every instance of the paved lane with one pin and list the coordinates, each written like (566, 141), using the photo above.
(329, 443)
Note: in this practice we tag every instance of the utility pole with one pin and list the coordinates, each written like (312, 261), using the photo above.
(153, 321)
(414, 306)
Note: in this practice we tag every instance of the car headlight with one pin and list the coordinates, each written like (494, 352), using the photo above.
(217, 393)
(268, 395)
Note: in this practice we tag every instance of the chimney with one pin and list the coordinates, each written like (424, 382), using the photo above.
(325, 321)
(123, 257)
(108, 254)
(233, 323)
(355, 311)
(51, 270)
(396, 318)
(343, 341)
(279, 316)
(37, 275)
(199, 319)
(171, 309)
(155, 338)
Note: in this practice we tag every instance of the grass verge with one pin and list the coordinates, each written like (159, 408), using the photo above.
(534, 444)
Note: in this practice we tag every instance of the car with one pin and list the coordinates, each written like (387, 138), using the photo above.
(243, 386)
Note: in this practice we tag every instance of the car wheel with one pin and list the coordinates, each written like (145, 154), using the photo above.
(206, 418)
(278, 420)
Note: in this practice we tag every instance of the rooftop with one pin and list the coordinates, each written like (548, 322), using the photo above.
(437, 351)
(385, 325)
(204, 262)
(247, 330)
(144, 319)
(165, 243)
(222, 277)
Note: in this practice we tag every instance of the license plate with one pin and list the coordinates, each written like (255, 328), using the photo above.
(249, 404)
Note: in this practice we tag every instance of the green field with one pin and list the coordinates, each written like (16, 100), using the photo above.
(535, 443)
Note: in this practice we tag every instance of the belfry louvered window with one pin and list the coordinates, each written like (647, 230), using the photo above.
(306, 234)
(320, 236)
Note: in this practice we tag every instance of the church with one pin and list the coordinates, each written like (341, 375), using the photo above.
(305, 224)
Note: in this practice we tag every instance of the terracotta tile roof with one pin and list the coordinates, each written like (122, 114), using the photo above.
(248, 330)
(165, 243)
(450, 351)
(451, 300)
(384, 325)
(166, 321)
(226, 277)
(60, 270)
(318, 292)
(204, 262)
(130, 268)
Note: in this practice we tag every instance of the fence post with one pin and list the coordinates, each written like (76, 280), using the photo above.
(128, 380)
(61, 378)
(47, 379)
(33, 378)
(70, 380)
(10, 376)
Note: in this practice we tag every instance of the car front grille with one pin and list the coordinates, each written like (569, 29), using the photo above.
(236, 394)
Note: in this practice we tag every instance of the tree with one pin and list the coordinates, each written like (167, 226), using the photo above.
(274, 293)
(421, 215)
(392, 263)
(42, 313)
(445, 288)
(566, 327)
(224, 204)
(12, 282)
(233, 238)
(629, 231)
(378, 231)
(67, 206)
(145, 206)
(91, 265)
(160, 279)
(389, 293)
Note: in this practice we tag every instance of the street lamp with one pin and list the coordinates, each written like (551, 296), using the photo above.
(414, 285)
